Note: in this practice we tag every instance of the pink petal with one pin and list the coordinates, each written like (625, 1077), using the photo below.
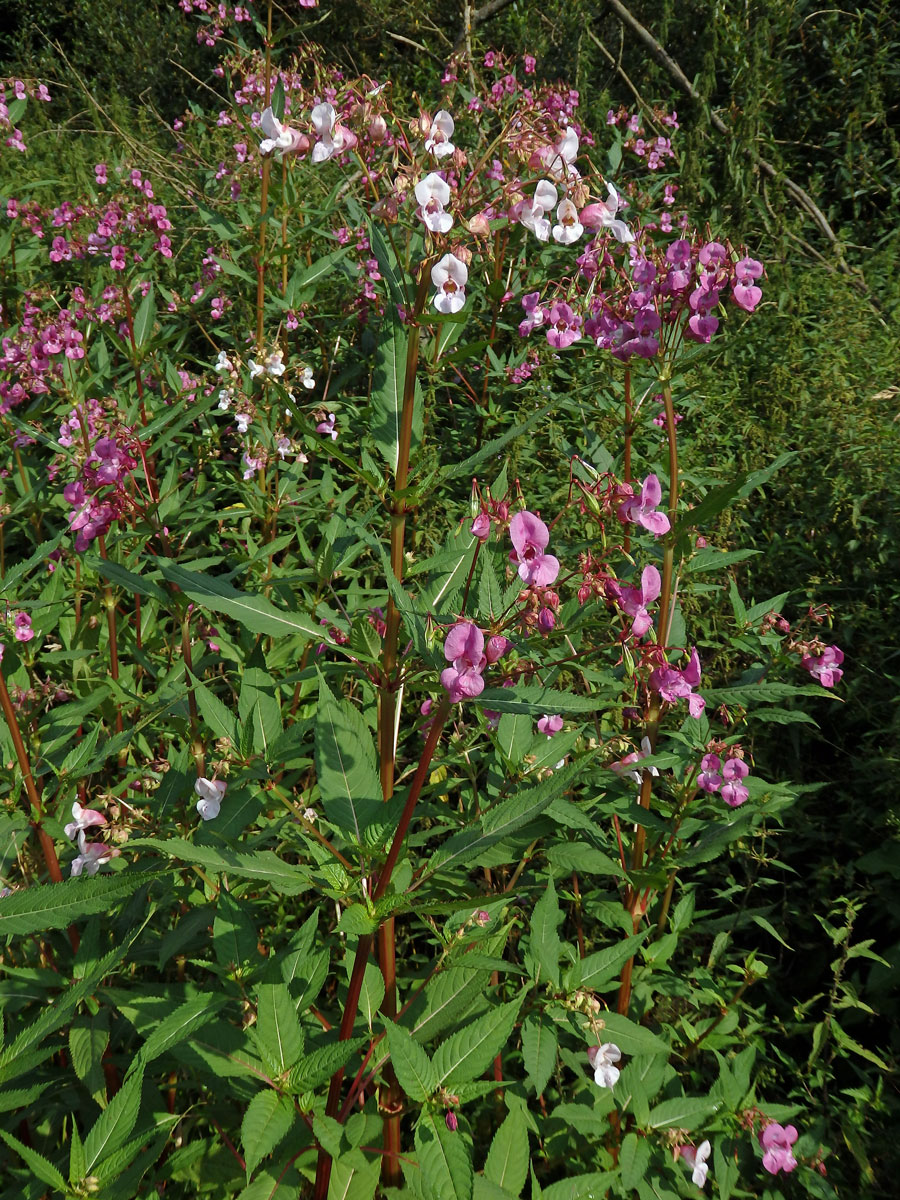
(526, 530)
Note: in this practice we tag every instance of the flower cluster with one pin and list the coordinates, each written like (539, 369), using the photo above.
(725, 778)
(91, 855)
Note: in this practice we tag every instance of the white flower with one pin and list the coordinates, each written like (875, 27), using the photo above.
(272, 365)
(225, 399)
(277, 137)
(307, 379)
(91, 856)
(602, 1059)
(449, 276)
(433, 193)
(331, 140)
(256, 369)
(210, 792)
(223, 362)
(438, 140)
(242, 420)
(700, 1168)
(532, 215)
(569, 229)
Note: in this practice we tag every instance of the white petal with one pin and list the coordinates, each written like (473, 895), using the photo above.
(323, 117)
(545, 195)
(269, 124)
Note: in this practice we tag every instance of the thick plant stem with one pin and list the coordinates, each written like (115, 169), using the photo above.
(632, 893)
(364, 946)
(390, 1098)
(263, 204)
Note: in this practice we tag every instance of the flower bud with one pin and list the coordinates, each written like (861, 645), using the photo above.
(496, 647)
(479, 225)
(451, 1121)
(546, 620)
(377, 130)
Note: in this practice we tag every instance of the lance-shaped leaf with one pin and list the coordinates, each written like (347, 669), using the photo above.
(539, 1043)
(115, 1123)
(467, 1053)
(388, 383)
(55, 905)
(414, 1069)
(507, 1160)
(445, 1160)
(544, 936)
(268, 1118)
(345, 765)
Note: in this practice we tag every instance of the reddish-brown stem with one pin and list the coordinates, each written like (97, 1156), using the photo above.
(263, 202)
(37, 811)
(197, 748)
(364, 946)
(632, 895)
(578, 929)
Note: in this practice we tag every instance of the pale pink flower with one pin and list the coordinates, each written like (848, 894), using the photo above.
(433, 193)
(695, 1157)
(211, 793)
(91, 856)
(568, 228)
(603, 1059)
(776, 1141)
(531, 214)
(85, 818)
(464, 649)
(438, 140)
(602, 215)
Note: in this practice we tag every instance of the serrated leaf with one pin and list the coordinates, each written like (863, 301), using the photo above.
(682, 1112)
(44, 1170)
(55, 905)
(129, 581)
(145, 318)
(255, 613)
(217, 715)
(88, 1039)
(179, 1027)
(467, 1053)
(266, 1121)
(544, 934)
(445, 1160)
(256, 864)
(235, 933)
(633, 1159)
(507, 1160)
(539, 1042)
(388, 384)
(535, 700)
(345, 765)
(277, 1025)
(630, 1037)
(603, 965)
(414, 1069)
(320, 1064)
(115, 1123)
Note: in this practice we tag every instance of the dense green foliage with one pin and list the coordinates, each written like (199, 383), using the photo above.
(769, 960)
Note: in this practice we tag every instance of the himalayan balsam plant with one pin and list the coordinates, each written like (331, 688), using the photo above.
(365, 767)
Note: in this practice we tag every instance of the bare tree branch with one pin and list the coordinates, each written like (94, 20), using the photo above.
(479, 15)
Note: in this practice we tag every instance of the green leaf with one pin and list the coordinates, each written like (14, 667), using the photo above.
(539, 1043)
(115, 1123)
(445, 1160)
(255, 613)
(258, 707)
(372, 993)
(345, 765)
(354, 1176)
(277, 1026)
(388, 384)
(88, 1039)
(414, 1069)
(633, 1159)
(266, 1121)
(235, 933)
(129, 581)
(179, 1027)
(682, 1112)
(468, 1053)
(599, 968)
(217, 716)
(544, 936)
(145, 318)
(44, 1170)
(257, 864)
(320, 1064)
(490, 449)
(630, 1037)
(55, 905)
(277, 99)
(508, 1158)
(535, 700)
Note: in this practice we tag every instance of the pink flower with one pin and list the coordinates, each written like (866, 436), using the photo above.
(709, 779)
(776, 1141)
(674, 685)
(695, 1157)
(634, 601)
(733, 791)
(603, 215)
(550, 724)
(641, 511)
(85, 818)
(825, 668)
(564, 327)
(22, 630)
(633, 759)
(530, 538)
(464, 649)
(481, 527)
(327, 427)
